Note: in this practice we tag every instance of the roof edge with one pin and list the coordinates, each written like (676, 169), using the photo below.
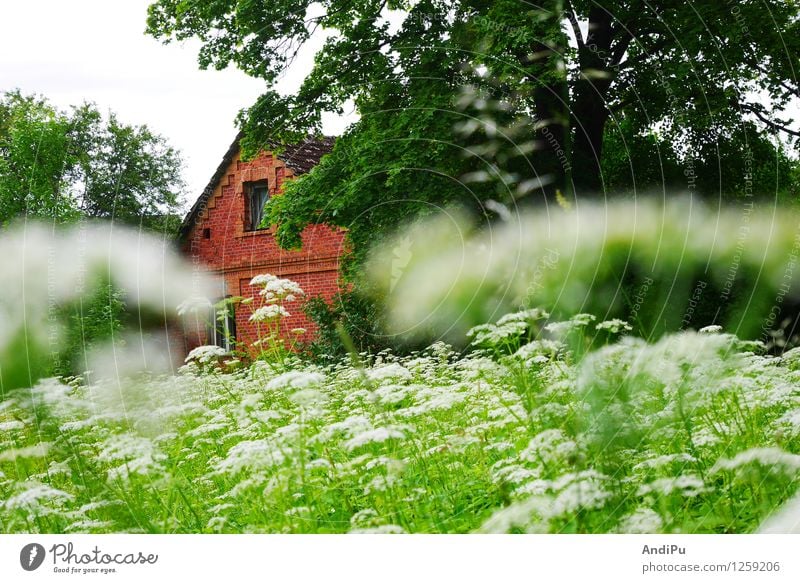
(290, 154)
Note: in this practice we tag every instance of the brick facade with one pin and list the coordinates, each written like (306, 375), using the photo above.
(217, 237)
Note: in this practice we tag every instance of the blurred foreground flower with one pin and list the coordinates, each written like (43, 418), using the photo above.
(661, 267)
(45, 270)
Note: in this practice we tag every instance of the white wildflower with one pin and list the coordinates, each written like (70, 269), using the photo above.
(296, 379)
(34, 496)
(380, 484)
(530, 315)
(382, 529)
(688, 485)
(513, 473)
(550, 446)
(138, 454)
(524, 515)
(642, 521)
(713, 329)
(350, 426)
(663, 460)
(561, 329)
(38, 450)
(205, 354)
(251, 455)
(496, 334)
(12, 425)
(584, 491)
(392, 394)
(388, 371)
(615, 326)
(269, 312)
(276, 289)
(772, 457)
(539, 351)
(365, 517)
(378, 435)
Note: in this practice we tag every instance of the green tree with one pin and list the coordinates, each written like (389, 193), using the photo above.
(60, 166)
(495, 103)
(35, 159)
(698, 71)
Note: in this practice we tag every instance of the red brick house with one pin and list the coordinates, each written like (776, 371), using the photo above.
(221, 234)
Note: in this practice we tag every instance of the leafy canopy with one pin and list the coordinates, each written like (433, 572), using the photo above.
(63, 165)
(524, 99)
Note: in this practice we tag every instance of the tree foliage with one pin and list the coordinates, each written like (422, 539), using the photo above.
(562, 95)
(499, 103)
(63, 165)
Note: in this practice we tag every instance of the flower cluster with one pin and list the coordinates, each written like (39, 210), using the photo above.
(692, 433)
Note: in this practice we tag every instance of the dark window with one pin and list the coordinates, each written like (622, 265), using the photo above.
(222, 326)
(206, 233)
(257, 197)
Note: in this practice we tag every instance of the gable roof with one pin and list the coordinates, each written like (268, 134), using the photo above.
(300, 157)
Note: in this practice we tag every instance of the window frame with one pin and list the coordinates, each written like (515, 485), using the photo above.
(250, 189)
(222, 334)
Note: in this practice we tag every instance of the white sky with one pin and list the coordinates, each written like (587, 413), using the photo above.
(96, 50)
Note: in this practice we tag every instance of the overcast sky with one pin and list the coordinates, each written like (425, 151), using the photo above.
(96, 50)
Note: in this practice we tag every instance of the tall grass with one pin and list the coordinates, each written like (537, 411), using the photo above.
(551, 420)
(694, 433)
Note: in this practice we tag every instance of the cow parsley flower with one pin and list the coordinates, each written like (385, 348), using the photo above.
(614, 326)
(36, 497)
(550, 446)
(584, 491)
(642, 521)
(13, 425)
(364, 517)
(377, 435)
(524, 316)
(663, 460)
(138, 454)
(296, 379)
(380, 484)
(388, 371)
(772, 457)
(276, 288)
(382, 529)
(687, 485)
(523, 515)
(713, 329)
(38, 450)
(251, 454)
(269, 312)
(205, 354)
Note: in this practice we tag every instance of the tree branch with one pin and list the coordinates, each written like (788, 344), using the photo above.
(779, 125)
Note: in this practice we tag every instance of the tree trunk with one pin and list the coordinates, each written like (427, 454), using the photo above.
(589, 111)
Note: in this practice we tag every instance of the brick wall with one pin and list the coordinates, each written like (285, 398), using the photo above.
(220, 242)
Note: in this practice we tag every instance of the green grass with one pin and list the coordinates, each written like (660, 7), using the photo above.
(541, 429)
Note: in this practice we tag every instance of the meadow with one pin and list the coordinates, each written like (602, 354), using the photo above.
(692, 433)
(537, 423)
